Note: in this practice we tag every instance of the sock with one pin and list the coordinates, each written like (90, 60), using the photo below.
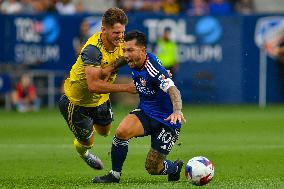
(82, 149)
(169, 168)
(119, 151)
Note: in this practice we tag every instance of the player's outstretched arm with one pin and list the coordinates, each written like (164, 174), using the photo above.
(98, 85)
(107, 71)
(177, 114)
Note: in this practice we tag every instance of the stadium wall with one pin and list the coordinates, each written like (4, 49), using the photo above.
(219, 57)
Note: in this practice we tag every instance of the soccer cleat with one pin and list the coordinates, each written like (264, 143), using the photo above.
(176, 176)
(93, 161)
(108, 178)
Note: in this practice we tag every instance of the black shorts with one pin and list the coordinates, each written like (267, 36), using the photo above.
(81, 119)
(163, 137)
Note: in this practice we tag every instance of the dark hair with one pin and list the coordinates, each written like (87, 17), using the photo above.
(139, 36)
(114, 15)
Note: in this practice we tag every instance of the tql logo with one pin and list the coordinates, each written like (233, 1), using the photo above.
(30, 30)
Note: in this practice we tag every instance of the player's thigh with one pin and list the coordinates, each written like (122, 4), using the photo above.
(129, 127)
(102, 117)
(77, 119)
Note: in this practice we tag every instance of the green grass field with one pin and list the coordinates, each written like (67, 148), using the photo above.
(245, 143)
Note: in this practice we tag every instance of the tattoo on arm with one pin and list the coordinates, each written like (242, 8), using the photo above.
(175, 98)
(119, 63)
(155, 162)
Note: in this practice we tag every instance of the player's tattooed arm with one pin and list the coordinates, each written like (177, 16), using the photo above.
(155, 162)
(175, 98)
(109, 70)
(119, 63)
(177, 114)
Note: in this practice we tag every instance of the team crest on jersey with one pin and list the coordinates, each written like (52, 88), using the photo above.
(141, 86)
(143, 82)
(162, 77)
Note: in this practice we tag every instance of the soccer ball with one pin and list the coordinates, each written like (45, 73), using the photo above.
(199, 170)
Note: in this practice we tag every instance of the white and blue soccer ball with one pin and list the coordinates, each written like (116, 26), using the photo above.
(199, 170)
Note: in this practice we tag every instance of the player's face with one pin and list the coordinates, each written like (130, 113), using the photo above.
(114, 34)
(135, 55)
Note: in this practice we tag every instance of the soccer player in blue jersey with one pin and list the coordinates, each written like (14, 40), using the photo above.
(158, 114)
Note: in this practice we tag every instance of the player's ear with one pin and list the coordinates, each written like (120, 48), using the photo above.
(103, 28)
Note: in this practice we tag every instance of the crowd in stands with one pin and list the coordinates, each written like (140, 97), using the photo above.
(168, 7)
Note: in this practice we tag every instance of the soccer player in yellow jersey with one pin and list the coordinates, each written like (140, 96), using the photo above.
(85, 105)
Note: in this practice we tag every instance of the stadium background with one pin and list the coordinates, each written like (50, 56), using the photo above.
(221, 80)
(219, 55)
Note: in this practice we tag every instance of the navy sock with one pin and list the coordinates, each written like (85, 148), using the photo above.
(119, 151)
(169, 167)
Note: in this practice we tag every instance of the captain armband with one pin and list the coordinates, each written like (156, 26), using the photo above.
(166, 84)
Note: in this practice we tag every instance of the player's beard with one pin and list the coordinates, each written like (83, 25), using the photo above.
(135, 62)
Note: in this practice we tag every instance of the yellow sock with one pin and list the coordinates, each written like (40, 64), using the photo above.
(81, 149)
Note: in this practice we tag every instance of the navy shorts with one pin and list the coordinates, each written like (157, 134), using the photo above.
(81, 119)
(163, 137)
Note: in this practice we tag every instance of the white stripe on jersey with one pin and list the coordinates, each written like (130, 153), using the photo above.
(150, 68)
(149, 71)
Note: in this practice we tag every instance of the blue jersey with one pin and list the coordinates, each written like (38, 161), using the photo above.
(152, 82)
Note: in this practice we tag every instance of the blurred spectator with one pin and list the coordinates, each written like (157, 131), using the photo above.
(170, 7)
(141, 5)
(11, 7)
(280, 63)
(244, 7)
(79, 6)
(24, 96)
(219, 7)
(66, 7)
(94, 6)
(39, 7)
(51, 6)
(131, 5)
(151, 6)
(197, 8)
(166, 51)
(27, 7)
(79, 41)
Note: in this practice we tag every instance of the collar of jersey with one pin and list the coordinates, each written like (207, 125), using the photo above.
(145, 62)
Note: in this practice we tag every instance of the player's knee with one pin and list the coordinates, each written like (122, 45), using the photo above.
(102, 130)
(104, 133)
(122, 133)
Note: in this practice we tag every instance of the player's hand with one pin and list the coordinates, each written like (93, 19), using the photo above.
(131, 88)
(176, 116)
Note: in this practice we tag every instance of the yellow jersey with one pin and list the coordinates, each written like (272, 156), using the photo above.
(75, 87)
